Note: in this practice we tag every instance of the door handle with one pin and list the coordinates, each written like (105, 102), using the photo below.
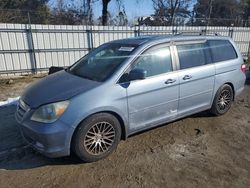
(187, 77)
(170, 81)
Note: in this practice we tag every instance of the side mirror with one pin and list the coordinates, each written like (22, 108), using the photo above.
(137, 74)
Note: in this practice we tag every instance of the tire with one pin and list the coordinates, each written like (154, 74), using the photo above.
(222, 100)
(96, 137)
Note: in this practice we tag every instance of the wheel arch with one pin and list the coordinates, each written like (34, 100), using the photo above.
(121, 121)
(115, 114)
(232, 86)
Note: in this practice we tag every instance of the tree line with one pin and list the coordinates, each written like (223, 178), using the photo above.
(67, 12)
(200, 12)
(166, 12)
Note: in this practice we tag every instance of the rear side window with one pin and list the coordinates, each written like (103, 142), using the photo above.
(193, 55)
(221, 50)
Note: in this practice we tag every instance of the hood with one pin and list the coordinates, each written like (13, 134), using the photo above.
(56, 87)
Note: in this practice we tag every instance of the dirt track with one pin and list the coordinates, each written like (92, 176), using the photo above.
(198, 151)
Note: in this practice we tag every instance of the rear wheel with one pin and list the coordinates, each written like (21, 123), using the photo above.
(223, 100)
(96, 137)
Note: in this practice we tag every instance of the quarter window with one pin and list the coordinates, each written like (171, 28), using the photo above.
(221, 50)
(193, 55)
(155, 61)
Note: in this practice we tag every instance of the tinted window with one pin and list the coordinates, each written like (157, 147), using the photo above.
(102, 62)
(221, 50)
(155, 61)
(193, 55)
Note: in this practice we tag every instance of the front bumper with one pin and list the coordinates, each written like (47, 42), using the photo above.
(52, 139)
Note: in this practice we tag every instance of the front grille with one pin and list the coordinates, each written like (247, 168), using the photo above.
(22, 109)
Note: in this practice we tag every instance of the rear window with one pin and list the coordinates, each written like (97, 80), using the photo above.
(221, 50)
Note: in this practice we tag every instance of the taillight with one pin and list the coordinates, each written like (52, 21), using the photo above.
(243, 68)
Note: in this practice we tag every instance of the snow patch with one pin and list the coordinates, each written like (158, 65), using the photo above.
(10, 101)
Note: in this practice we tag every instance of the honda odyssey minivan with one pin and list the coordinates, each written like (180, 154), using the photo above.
(126, 86)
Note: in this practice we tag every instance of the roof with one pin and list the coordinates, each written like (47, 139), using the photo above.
(135, 40)
(165, 38)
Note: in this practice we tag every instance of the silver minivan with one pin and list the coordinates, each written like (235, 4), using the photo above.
(126, 86)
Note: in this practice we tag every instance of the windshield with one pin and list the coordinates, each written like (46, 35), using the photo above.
(102, 62)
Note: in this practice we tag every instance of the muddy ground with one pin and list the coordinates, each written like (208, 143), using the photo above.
(198, 151)
(13, 87)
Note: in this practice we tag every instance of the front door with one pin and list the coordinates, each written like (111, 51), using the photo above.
(153, 100)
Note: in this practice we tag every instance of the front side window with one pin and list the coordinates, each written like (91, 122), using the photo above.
(192, 55)
(221, 50)
(155, 61)
(102, 62)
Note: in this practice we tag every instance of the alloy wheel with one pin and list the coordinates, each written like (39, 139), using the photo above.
(99, 138)
(224, 100)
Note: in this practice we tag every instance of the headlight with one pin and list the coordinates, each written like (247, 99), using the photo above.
(50, 113)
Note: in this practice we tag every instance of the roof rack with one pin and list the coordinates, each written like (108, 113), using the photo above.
(202, 33)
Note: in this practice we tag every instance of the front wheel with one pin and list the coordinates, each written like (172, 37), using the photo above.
(223, 100)
(96, 137)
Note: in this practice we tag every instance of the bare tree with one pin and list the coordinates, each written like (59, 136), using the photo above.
(87, 9)
(105, 12)
(219, 12)
(171, 8)
(60, 5)
(245, 6)
(73, 12)
(15, 11)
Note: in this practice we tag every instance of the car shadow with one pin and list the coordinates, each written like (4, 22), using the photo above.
(248, 78)
(248, 81)
(203, 114)
(15, 154)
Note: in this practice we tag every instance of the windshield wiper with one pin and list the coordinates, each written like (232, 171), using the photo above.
(86, 77)
(75, 73)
